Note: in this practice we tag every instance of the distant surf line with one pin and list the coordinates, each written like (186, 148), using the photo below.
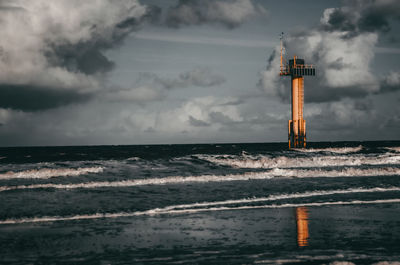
(267, 162)
(165, 211)
(46, 173)
(394, 148)
(274, 173)
(337, 150)
(285, 196)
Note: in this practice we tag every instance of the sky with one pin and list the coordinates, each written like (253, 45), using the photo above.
(103, 72)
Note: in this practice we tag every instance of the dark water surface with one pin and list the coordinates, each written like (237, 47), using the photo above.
(201, 204)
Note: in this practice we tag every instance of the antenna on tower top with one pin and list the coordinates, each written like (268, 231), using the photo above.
(282, 52)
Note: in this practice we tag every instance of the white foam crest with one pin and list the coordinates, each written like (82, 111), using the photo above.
(162, 211)
(303, 173)
(284, 197)
(293, 162)
(387, 263)
(337, 150)
(134, 158)
(342, 263)
(394, 148)
(45, 173)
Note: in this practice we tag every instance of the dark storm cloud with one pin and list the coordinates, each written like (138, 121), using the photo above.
(341, 20)
(61, 44)
(87, 56)
(32, 98)
(362, 16)
(53, 51)
(230, 13)
(82, 58)
(373, 20)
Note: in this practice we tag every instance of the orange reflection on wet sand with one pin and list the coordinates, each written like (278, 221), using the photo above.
(302, 226)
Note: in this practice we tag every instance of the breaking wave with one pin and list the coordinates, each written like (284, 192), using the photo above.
(337, 150)
(284, 197)
(46, 173)
(168, 210)
(387, 263)
(395, 148)
(248, 161)
(274, 173)
(134, 158)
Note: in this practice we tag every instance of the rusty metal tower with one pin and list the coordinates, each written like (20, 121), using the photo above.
(296, 69)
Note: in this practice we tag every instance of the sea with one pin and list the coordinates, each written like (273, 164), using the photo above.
(254, 203)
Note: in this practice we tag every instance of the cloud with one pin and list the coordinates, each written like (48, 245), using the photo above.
(230, 13)
(191, 117)
(209, 118)
(391, 82)
(140, 94)
(197, 123)
(361, 16)
(35, 98)
(210, 113)
(152, 87)
(201, 39)
(346, 114)
(55, 48)
(192, 120)
(200, 76)
(270, 82)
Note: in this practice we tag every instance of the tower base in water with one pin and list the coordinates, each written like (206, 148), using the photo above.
(297, 140)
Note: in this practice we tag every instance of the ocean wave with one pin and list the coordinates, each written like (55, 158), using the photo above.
(394, 148)
(248, 161)
(134, 158)
(45, 173)
(338, 259)
(387, 263)
(164, 211)
(284, 197)
(337, 150)
(306, 258)
(274, 173)
(337, 262)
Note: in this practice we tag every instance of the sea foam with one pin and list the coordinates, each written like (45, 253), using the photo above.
(46, 173)
(164, 211)
(337, 150)
(394, 149)
(274, 173)
(262, 161)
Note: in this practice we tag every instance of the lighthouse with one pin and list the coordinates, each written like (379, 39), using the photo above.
(296, 69)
